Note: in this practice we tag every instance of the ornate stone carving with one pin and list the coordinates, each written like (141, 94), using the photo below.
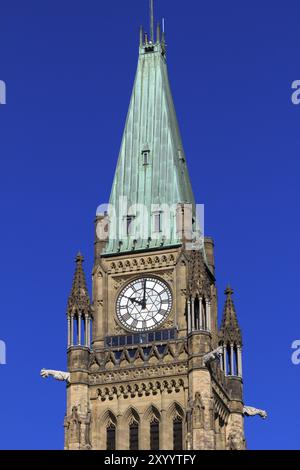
(212, 356)
(86, 438)
(139, 389)
(113, 375)
(77, 429)
(212, 414)
(56, 374)
(141, 263)
(198, 279)
(198, 410)
(221, 402)
(72, 425)
(118, 329)
(189, 441)
(118, 283)
(172, 352)
(236, 440)
(170, 322)
(168, 276)
(250, 411)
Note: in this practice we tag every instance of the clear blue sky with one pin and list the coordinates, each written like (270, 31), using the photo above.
(69, 67)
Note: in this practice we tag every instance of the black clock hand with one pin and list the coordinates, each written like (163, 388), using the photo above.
(136, 301)
(133, 299)
(144, 303)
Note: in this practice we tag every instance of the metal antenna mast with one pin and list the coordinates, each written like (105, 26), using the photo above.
(152, 21)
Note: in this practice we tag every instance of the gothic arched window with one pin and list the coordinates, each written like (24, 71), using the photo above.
(154, 434)
(134, 436)
(177, 433)
(111, 437)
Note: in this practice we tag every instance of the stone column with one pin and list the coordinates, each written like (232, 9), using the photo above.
(164, 428)
(225, 359)
(239, 362)
(208, 316)
(72, 330)
(144, 439)
(235, 428)
(69, 331)
(189, 315)
(89, 333)
(218, 434)
(121, 433)
(223, 436)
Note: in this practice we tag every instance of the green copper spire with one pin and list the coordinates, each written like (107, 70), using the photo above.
(151, 170)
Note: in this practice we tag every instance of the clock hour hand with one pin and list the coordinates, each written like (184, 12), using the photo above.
(136, 301)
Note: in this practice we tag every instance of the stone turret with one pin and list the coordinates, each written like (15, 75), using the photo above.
(79, 315)
(231, 340)
(231, 337)
(79, 308)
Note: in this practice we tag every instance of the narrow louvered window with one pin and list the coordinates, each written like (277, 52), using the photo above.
(157, 222)
(111, 437)
(154, 435)
(177, 433)
(146, 156)
(129, 224)
(134, 436)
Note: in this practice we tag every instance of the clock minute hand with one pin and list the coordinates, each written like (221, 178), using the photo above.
(144, 303)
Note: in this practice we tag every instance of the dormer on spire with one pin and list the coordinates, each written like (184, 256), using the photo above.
(79, 308)
(231, 337)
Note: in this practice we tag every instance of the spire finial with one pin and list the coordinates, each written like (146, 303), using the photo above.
(229, 290)
(152, 21)
(141, 35)
(158, 33)
(79, 257)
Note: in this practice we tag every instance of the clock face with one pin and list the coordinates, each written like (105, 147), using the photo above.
(144, 304)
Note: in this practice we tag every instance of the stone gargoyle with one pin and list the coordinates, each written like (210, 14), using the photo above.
(56, 374)
(250, 411)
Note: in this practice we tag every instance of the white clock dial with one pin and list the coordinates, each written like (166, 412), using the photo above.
(144, 304)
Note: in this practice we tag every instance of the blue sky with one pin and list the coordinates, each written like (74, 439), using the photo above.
(69, 68)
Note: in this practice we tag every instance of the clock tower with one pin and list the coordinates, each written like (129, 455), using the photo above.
(149, 366)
